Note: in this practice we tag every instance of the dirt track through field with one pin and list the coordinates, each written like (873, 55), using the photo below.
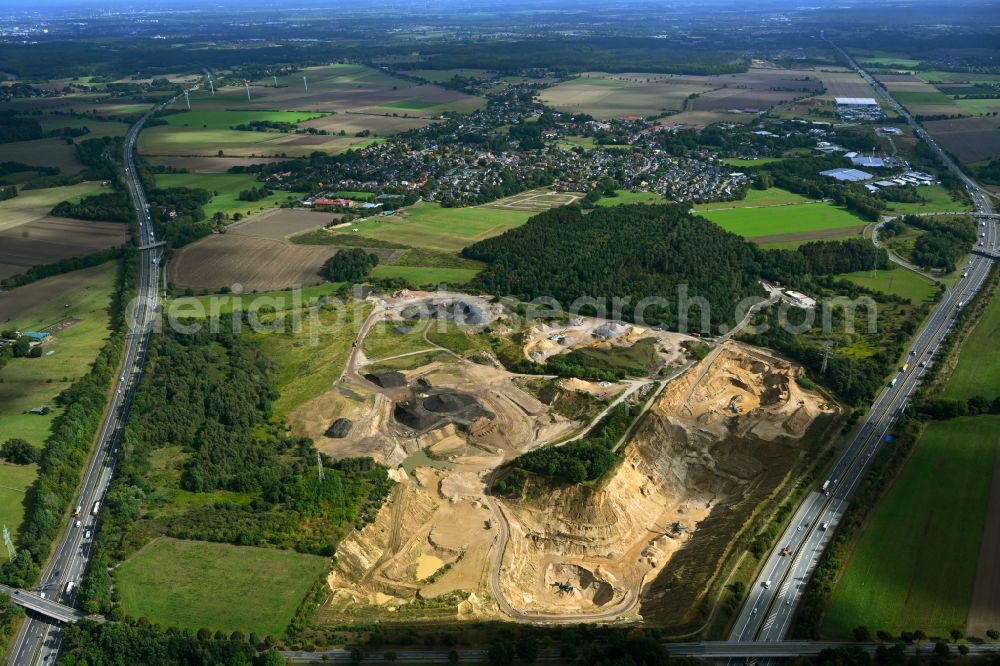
(984, 612)
(804, 236)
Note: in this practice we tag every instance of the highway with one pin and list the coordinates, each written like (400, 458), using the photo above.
(38, 640)
(703, 650)
(773, 597)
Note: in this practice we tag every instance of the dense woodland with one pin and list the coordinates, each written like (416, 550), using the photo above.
(944, 242)
(209, 397)
(178, 214)
(587, 459)
(112, 206)
(566, 255)
(350, 265)
(124, 644)
(18, 128)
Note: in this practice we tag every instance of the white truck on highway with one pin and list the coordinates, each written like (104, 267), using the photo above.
(97, 507)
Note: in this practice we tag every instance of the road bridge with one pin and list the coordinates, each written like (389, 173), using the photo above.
(50, 608)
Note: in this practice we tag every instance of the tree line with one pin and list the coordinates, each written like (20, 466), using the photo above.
(587, 459)
(68, 445)
(350, 265)
(67, 265)
(629, 252)
(210, 395)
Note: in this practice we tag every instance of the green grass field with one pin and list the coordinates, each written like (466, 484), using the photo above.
(772, 196)
(14, 481)
(776, 220)
(737, 162)
(958, 77)
(939, 200)
(625, 197)
(887, 60)
(448, 229)
(216, 120)
(194, 584)
(978, 368)
(311, 361)
(227, 188)
(912, 98)
(394, 338)
(32, 205)
(418, 276)
(915, 564)
(42, 152)
(202, 306)
(978, 107)
(33, 382)
(897, 281)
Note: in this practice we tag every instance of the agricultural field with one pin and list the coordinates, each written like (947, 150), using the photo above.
(979, 107)
(30, 236)
(167, 140)
(429, 226)
(206, 164)
(918, 97)
(442, 75)
(33, 205)
(784, 224)
(195, 584)
(52, 152)
(772, 196)
(738, 162)
(338, 88)
(280, 300)
(978, 368)
(223, 261)
(217, 120)
(896, 281)
(936, 76)
(624, 197)
(73, 308)
(939, 200)
(97, 128)
(968, 139)
(915, 565)
(615, 95)
(887, 60)
(226, 188)
(14, 482)
(417, 276)
(282, 223)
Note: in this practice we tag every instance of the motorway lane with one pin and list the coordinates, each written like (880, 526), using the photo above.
(767, 613)
(38, 640)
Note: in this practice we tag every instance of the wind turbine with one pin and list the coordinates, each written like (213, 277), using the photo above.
(247, 85)
(305, 83)
(187, 99)
(275, 77)
(211, 86)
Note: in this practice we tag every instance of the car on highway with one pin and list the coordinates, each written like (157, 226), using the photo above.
(76, 523)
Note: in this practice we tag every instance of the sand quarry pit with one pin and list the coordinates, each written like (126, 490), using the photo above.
(581, 549)
(718, 440)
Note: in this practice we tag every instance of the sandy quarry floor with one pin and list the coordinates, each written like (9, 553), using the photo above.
(601, 543)
(571, 550)
(546, 340)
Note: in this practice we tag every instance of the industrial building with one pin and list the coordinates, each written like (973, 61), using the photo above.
(847, 175)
